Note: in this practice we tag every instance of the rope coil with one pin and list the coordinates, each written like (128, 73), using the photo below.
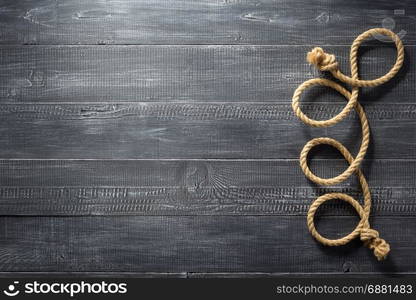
(327, 62)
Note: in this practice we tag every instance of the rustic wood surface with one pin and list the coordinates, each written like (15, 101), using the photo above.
(155, 138)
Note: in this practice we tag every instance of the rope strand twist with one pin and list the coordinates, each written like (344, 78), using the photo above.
(327, 62)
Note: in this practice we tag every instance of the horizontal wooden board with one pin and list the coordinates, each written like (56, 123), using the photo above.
(202, 275)
(196, 244)
(200, 21)
(33, 74)
(194, 187)
(203, 130)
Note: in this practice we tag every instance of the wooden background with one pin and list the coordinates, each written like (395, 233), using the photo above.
(156, 137)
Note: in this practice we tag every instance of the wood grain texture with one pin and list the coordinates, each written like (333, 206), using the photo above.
(193, 187)
(196, 244)
(185, 73)
(200, 21)
(86, 274)
(187, 131)
(155, 138)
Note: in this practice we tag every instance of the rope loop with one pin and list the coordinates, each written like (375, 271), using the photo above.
(327, 62)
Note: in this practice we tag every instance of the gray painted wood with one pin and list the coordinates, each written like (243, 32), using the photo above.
(155, 138)
(202, 130)
(194, 187)
(347, 273)
(196, 244)
(185, 73)
(200, 22)
(78, 275)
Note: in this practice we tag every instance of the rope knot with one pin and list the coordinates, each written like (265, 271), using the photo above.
(322, 60)
(371, 239)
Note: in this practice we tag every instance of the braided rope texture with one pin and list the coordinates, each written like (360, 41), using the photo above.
(327, 62)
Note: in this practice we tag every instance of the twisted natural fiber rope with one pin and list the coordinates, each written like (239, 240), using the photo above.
(327, 62)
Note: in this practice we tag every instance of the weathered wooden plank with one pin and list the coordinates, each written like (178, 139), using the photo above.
(347, 273)
(120, 274)
(194, 187)
(184, 73)
(196, 244)
(201, 275)
(200, 22)
(207, 130)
